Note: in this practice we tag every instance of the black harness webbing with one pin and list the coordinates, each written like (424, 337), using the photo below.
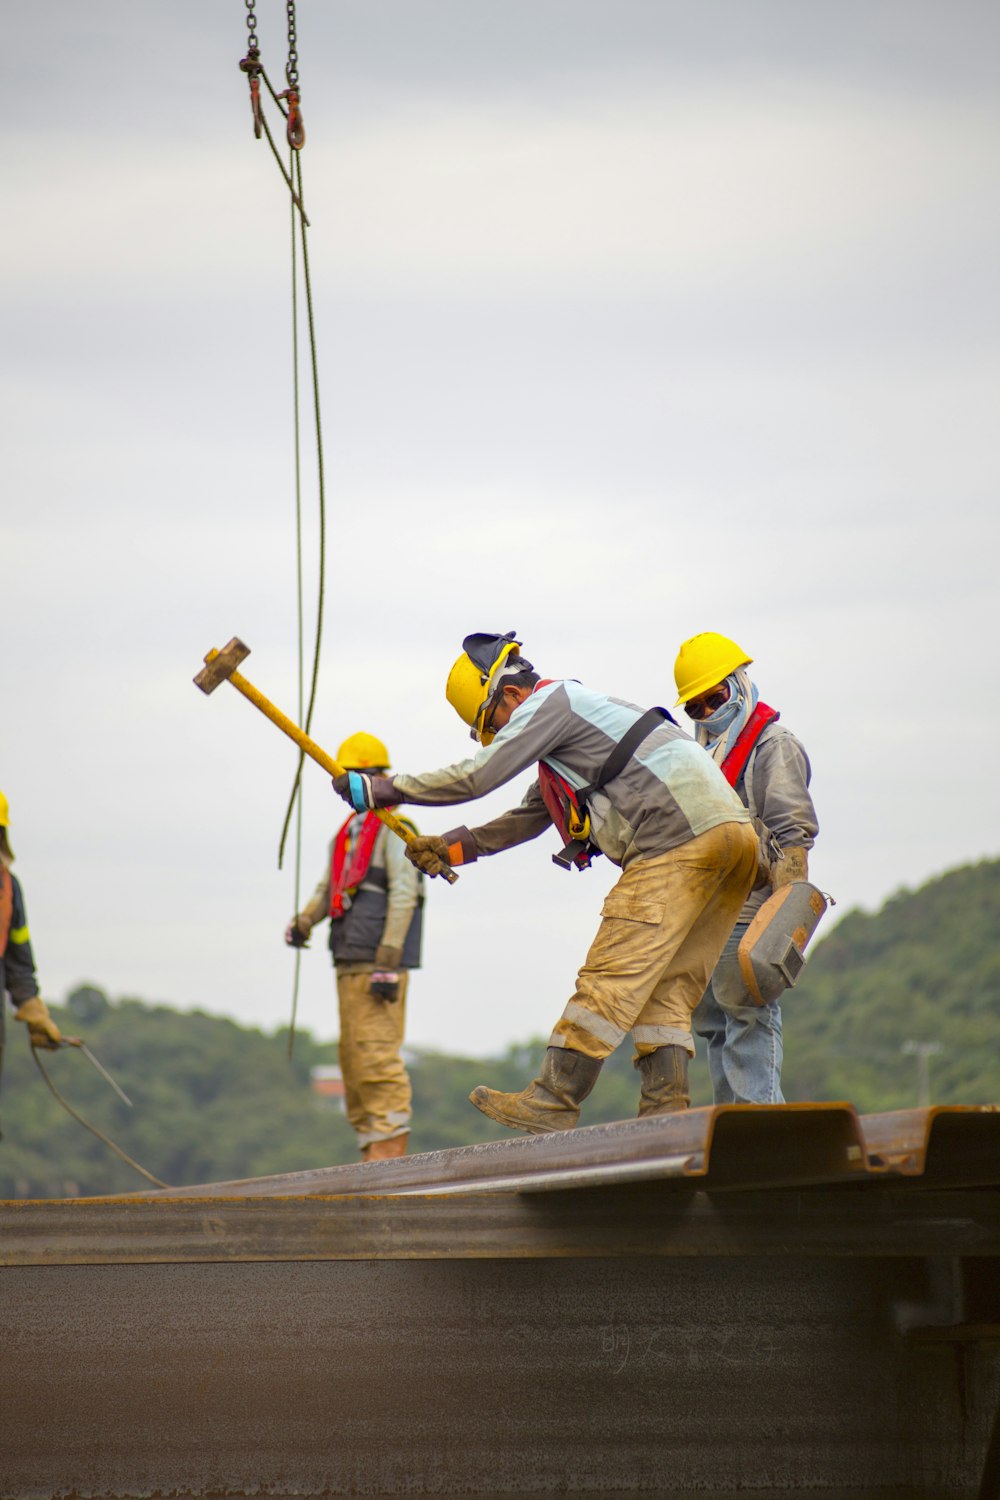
(612, 767)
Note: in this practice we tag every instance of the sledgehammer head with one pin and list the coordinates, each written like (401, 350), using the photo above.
(221, 664)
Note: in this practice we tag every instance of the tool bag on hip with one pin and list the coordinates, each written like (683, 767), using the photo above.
(568, 808)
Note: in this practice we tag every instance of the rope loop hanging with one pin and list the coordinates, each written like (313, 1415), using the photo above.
(289, 104)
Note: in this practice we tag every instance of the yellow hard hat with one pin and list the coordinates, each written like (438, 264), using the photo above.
(4, 812)
(704, 661)
(363, 752)
(474, 678)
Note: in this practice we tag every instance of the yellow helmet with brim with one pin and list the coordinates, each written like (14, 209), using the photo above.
(704, 661)
(363, 752)
(477, 676)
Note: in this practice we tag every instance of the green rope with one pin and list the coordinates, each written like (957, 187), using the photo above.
(299, 596)
(322, 514)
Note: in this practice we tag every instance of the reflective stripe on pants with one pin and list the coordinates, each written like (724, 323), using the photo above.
(663, 927)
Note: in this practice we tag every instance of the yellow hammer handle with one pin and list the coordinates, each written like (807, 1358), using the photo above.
(316, 752)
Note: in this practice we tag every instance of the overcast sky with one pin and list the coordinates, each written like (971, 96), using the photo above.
(636, 318)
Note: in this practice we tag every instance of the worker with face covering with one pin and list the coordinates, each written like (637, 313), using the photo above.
(769, 770)
(17, 964)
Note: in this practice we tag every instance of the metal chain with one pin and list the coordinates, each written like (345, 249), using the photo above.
(292, 66)
(251, 25)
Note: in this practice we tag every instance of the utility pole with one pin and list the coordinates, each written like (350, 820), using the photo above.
(923, 1051)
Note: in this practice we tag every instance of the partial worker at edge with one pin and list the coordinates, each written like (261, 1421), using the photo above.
(17, 961)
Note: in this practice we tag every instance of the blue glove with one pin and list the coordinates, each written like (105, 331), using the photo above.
(365, 793)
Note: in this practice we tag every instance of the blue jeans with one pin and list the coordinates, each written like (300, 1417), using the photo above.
(744, 1040)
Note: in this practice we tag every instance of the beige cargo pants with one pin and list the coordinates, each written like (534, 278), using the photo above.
(376, 1084)
(663, 927)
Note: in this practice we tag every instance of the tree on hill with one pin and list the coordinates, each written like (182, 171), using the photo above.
(922, 973)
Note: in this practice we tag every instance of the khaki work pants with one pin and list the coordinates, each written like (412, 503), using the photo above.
(663, 928)
(376, 1083)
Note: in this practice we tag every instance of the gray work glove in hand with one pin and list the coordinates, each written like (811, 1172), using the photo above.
(297, 932)
(794, 866)
(429, 853)
(365, 792)
(42, 1030)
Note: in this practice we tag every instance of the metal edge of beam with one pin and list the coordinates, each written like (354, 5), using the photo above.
(733, 1146)
(636, 1221)
(958, 1145)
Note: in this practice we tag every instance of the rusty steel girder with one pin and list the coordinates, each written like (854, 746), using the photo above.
(757, 1303)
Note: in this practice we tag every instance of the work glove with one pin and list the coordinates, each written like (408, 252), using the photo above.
(42, 1030)
(794, 866)
(429, 853)
(385, 985)
(388, 956)
(364, 792)
(298, 930)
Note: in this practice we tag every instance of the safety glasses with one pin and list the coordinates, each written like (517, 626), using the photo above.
(700, 708)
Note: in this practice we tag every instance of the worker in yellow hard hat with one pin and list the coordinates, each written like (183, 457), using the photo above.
(17, 962)
(770, 772)
(615, 780)
(373, 897)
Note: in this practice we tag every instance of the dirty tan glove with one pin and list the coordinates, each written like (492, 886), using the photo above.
(388, 956)
(298, 930)
(42, 1030)
(794, 866)
(429, 853)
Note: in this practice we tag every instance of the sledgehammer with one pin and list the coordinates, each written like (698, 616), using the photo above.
(220, 666)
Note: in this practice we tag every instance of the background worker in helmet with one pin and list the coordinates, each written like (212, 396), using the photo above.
(373, 897)
(682, 837)
(770, 772)
(17, 963)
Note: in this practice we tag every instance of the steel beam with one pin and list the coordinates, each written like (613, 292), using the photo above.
(757, 1376)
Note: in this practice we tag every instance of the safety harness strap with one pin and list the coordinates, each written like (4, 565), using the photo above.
(568, 808)
(347, 874)
(735, 762)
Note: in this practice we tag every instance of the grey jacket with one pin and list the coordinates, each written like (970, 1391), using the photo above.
(775, 787)
(669, 792)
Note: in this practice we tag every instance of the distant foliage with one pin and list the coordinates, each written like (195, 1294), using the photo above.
(215, 1101)
(923, 970)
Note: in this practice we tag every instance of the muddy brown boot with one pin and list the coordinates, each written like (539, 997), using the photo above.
(664, 1076)
(395, 1145)
(552, 1101)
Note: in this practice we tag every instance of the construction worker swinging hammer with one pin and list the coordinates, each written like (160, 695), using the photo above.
(615, 780)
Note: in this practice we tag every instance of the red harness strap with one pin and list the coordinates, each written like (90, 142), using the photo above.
(346, 876)
(736, 761)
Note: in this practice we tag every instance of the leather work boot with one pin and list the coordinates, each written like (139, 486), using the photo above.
(664, 1076)
(394, 1145)
(552, 1101)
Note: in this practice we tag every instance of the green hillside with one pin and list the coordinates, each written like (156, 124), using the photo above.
(925, 970)
(214, 1100)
